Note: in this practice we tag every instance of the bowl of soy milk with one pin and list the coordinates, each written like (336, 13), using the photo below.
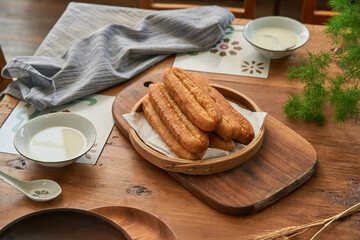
(55, 139)
(276, 36)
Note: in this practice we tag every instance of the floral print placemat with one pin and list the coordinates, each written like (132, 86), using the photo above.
(233, 55)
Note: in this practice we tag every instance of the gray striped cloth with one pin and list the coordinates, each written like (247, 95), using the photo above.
(93, 47)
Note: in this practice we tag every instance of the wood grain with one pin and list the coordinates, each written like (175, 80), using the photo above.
(140, 225)
(3, 81)
(246, 10)
(122, 178)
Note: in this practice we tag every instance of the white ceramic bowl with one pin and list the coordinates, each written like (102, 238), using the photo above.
(285, 43)
(55, 139)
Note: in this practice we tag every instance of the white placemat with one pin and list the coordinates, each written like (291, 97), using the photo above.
(96, 108)
(233, 55)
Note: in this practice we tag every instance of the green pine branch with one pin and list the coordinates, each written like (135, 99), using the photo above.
(341, 91)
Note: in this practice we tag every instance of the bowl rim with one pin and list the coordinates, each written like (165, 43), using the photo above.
(84, 151)
(278, 17)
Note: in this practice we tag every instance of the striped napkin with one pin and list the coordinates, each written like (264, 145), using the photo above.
(93, 47)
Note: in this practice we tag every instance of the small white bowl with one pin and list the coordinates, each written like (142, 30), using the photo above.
(55, 139)
(286, 26)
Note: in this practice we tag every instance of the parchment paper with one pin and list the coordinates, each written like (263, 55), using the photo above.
(148, 134)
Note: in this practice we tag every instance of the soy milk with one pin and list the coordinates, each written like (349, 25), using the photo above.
(274, 38)
(56, 143)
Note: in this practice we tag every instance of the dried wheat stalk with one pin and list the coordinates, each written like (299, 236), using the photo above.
(289, 232)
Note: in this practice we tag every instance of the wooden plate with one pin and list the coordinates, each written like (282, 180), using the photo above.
(137, 223)
(208, 166)
(63, 223)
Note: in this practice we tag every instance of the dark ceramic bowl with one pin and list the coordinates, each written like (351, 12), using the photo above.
(63, 224)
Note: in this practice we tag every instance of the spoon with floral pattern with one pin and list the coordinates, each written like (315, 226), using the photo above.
(39, 190)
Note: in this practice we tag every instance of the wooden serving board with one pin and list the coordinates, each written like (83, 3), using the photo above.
(284, 162)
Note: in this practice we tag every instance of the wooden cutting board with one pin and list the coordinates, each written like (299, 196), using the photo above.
(284, 162)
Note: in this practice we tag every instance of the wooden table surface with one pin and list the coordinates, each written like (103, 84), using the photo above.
(122, 178)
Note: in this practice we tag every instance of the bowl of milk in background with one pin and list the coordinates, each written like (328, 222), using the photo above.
(275, 36)
(55, 139)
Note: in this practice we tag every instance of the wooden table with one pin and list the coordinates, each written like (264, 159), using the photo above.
(122, 177)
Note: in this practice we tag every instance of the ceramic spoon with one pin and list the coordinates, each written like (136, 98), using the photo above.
(38, 190)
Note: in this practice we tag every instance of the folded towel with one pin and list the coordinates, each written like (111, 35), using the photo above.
(113, 54)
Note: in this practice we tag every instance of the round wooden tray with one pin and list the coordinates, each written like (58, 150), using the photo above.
(208, 166)
(139, 224)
